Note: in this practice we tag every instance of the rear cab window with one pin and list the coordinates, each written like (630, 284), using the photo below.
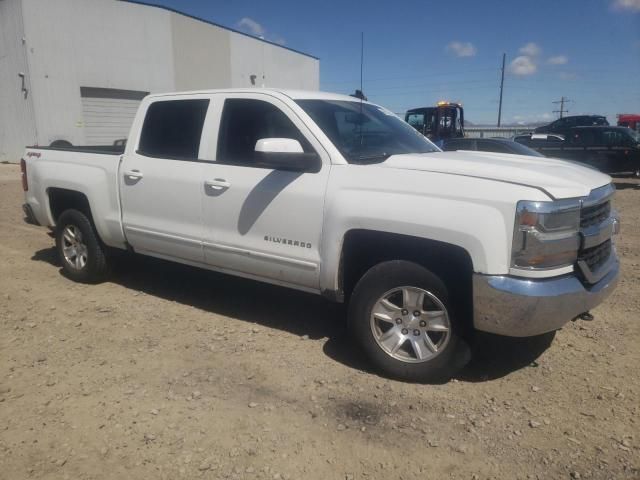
(172, 129)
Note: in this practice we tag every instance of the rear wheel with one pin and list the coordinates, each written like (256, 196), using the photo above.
(401, 316)
(81, 252)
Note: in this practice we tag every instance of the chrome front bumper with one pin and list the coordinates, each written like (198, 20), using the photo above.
(523, 307)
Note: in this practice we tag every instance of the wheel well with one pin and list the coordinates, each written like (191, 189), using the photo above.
(362, 249)
(61, 199)
(60, 144)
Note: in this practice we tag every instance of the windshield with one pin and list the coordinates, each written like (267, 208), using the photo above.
(363, 132)
(520, 149)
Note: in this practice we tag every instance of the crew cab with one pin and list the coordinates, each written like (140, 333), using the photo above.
(339, 197)
(609, 149)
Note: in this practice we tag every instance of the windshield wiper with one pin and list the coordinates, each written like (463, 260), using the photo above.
(377, 158)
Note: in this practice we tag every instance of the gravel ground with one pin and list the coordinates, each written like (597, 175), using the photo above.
(170, 372)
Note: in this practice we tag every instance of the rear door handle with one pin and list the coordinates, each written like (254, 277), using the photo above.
(217, 184)
(133, 174)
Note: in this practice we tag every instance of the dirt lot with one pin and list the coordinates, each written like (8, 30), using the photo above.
(171, 372)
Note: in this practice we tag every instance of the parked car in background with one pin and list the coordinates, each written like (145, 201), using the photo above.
(609, 149)
(497, 145)
(540, 137)
(339, 197)
(564, 124)
(533, 140)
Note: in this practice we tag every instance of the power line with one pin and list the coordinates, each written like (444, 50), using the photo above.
(439, 92)
(562, 110)
(405, 76)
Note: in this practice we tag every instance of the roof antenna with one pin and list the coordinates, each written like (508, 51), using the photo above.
(359, 93)
(361, 58)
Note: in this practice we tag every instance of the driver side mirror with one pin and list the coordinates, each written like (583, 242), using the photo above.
(285, 154)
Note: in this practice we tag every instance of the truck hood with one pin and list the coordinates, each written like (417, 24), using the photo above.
(557, 178)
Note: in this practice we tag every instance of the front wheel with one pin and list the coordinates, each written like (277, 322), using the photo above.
(80, 250)
(401, 316)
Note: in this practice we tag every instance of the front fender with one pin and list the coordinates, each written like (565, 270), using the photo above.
(474, 214)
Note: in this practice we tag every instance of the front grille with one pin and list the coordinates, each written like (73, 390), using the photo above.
(594, 214)
(594, 257)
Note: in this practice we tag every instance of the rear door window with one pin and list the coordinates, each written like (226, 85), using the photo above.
(172, 129)
(583, 137)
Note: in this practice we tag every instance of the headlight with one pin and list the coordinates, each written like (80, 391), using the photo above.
(546, 234)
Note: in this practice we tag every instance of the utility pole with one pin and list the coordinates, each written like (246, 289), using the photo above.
(504, 56)
(562, 101)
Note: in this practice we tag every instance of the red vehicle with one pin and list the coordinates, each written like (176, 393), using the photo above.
(631, 120)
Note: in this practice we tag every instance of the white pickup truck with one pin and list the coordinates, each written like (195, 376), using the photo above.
(339, 197)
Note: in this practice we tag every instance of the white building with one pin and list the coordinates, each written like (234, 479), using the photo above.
(75, 70)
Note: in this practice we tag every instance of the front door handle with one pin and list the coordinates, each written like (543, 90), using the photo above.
(217, 184)
(133, 174)
(132, 177)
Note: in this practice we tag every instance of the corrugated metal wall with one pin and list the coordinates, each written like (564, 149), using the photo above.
(91, 43)
(272, 66)
(69, 44)
(108, 114)
(17, 124)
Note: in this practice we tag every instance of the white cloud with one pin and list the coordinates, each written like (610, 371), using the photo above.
(531, 50)
(633, 5)
(558, 60)
(251, 26)
(527, 63)
(523, 66)
(462, 49)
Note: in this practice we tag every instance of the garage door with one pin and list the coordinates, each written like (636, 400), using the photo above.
(108, 113)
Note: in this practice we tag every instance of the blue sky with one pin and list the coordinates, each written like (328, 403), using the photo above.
(419, 52)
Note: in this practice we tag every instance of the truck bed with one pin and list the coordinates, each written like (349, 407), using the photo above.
(91, 171)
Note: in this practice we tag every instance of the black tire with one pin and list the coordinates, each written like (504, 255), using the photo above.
(374, 284)
(96, 266)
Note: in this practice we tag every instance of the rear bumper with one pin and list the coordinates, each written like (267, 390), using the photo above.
(523, 307)
(29, 216)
